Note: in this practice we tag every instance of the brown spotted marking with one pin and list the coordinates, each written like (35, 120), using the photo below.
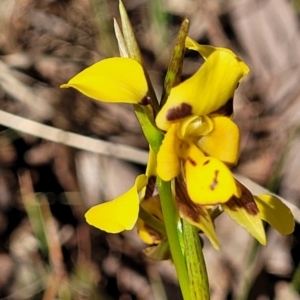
(150, 187)
(179, 112)
(246, 201)
(193, 163)
(206, 162)
(215, 181)
(186, 206)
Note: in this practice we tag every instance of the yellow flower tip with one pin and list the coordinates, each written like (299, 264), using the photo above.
(64, 86)
(276, 213)
(251, 223)
(206, 51)
(119, 214)
(109, 81)
(244, 211)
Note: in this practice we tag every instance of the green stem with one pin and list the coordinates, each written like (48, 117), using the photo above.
(152, 221)
(198, 279)
(152, 134)
(296, 280)
(171, 218)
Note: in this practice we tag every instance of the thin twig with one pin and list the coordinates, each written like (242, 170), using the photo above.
(72, 139)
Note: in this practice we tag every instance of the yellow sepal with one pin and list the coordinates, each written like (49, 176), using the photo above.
(119, 214)
(151, 165)
(203, 222)
(208, 180)
(112, 80)
(244, 211)
(223, 142)
(276, 213)
(168, 164)
(252, 223)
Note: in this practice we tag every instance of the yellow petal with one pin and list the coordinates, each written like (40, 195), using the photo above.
(112, 80)
(205, 92)
(168, 165)
(206, 51)
(209, 181)
(223, 142)
(244, 211)
(151, 165)
(276, 213)
(119, 214)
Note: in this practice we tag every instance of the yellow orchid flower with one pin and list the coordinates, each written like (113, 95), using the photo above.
(201, 143)
(200, 140)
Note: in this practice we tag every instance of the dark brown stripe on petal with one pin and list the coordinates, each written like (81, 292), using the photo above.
(192, 162)
(185, 205)
(179, 112)
(246, 201)
(215, 181)
(206, 162)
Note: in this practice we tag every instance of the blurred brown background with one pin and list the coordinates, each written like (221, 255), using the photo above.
(47, 251)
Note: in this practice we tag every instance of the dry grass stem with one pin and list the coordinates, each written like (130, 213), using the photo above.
(72, 139)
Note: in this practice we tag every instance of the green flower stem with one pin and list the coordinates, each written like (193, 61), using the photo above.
(296, 280)
(198, 279)
(171, 218)
(152, 134)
